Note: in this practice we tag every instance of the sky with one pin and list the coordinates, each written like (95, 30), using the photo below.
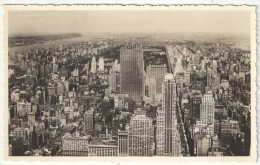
(24, 22)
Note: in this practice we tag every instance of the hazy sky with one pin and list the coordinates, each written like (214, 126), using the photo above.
(129, 21)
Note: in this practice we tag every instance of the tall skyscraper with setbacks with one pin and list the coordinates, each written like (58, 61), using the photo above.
(168, 143)
(132, 72)
(206, 121)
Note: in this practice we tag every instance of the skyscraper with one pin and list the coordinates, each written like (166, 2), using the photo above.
(187, 77)
(42, 70)
(195, 104)
(160, 124)
(206, 121)
(116, 66)
(214, 67)
(158, 71)
(123, 141)
(31, 118)
(88, 121)
(178, 67)
(209, 77)
(101, 64)
(113, 79)
(141, 134)
(203, 142)
(75, 145)
(150, 84)
(132, 71)
(169, 108)
(93, 68)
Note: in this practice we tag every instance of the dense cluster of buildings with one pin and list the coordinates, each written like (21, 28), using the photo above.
(72, 101)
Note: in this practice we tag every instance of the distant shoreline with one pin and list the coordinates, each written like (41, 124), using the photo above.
(54, 43)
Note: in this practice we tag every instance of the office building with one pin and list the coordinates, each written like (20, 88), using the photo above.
(60, 88)
(229, 126)
(19, 132)
(187, 77)
(123, 141)
(195, 105)
(116, 66)
(93, 68)
(103, 150)
(209, 77)
(132, 72)
(88, 121)
(101, 64)
(23, 108)
(150, 84)
(207, 113)
(141, 136)
(158, 71)
(169, 108)
(214, 67)
(51, 90)
(75, 72)
(31, 118)
(217, 151)
(202, 143)
(113, 79)
(160, 128)
(42, 70)
(15, 95)
(178, 68)
(75, 145)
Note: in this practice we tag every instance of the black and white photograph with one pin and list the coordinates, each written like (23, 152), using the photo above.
(124, 81)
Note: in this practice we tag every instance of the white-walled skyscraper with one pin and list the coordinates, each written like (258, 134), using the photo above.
(206, 122)
(141, 136)
(101, 64)
(214, 67)
(171, 145)
(93, 68)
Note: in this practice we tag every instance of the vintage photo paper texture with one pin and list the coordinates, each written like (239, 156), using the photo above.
(139, 83)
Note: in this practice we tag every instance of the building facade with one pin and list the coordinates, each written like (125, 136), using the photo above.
(160, 124)
(75, 145)
(206, 121)
(169, 108)
(89, 121)
(141, 136)
(113, 80)
(132, 72)
(93, 68)
(123, 143)
(158, 71)
(101, 64)
(103, 150)
(150, 84)
(203, 143)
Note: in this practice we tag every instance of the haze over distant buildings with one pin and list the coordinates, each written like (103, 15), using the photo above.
(130, 83)
(24, 22)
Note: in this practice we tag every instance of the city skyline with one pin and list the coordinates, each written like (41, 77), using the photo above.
(128, 95)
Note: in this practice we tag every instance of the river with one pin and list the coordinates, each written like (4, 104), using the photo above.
(54, 43)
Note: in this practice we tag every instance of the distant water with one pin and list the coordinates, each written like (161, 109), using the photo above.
(242, 42)
(54, 43)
